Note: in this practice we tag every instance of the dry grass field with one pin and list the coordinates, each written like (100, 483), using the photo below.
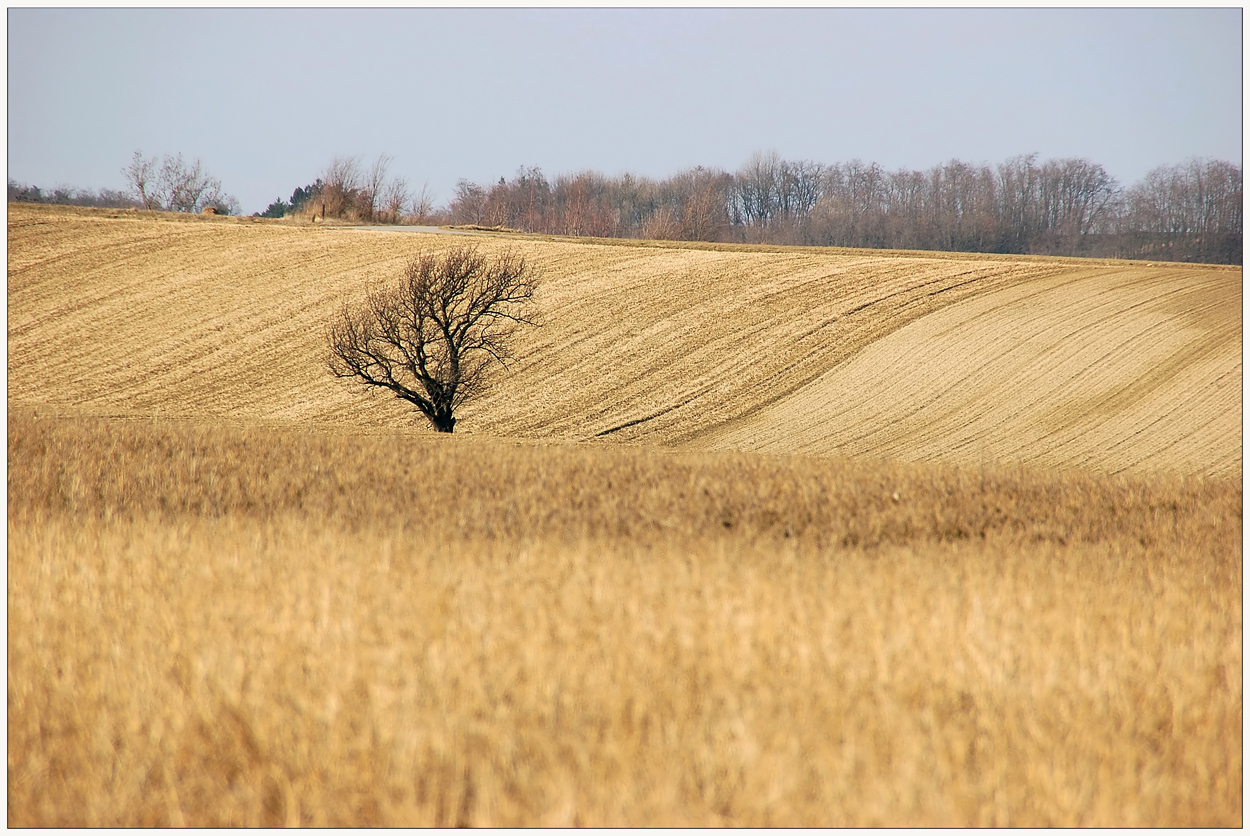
(242, 593)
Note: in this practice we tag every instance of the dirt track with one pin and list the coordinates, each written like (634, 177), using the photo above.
(1054, 362)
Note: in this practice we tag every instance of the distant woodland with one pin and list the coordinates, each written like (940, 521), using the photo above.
(1186, 212)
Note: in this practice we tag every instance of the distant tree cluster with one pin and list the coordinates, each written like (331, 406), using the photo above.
(690, 206)
(1190, 212)
(66, 196)
(169, 184)
(299, 198)
(1186, 212)
(173, 185)
(348, 191)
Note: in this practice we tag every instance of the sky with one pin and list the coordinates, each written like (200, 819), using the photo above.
(266, 98)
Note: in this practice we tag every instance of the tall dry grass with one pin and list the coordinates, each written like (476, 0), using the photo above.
(251, 626)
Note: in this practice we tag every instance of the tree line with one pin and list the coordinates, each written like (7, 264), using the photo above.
(68, 196)
(1186, 212)
(168, 184)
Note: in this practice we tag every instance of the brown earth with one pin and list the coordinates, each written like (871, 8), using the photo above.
(1113, 369)
(1060, 362)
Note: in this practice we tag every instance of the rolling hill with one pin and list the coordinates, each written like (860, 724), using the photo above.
(1111, 366)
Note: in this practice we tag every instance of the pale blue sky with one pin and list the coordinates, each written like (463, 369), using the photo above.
(266, 98)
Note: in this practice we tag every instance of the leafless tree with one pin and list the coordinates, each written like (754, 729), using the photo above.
(798, 187)
(469, 204)
(342, 188)
(430, 340)
(422, 204)
(853, 210)
(757, 185)
(141, 174)
(962, 211)
(175, 185)
(373, 187)
(347, 191)
(392, 200)
(1019, 190)
(187, 188)
(700, 200)
(662, 224)
(1187, 212)
(1024, 205)
(582, 205)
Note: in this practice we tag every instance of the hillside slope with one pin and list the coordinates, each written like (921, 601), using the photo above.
(1115, 366)
(1111, 369)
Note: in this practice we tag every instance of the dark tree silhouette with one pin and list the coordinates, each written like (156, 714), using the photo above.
(431, 339)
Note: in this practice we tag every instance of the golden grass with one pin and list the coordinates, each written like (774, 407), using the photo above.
(251, 625)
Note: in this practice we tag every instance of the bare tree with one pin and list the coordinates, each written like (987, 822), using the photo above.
(341, 192)
(798, 187)
(141, 174)
(422, 204)
(392, 200)
(469, 204)
(579, 206)
(430, 340)
(187, 188)
(1187, 212)
(700, 198)
(372, 187)
(175, 186)
(757, 185)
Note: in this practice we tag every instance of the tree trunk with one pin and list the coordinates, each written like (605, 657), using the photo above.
(443, 422)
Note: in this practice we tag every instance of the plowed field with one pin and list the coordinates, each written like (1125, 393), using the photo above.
(1113, 366)
(1124, 369)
